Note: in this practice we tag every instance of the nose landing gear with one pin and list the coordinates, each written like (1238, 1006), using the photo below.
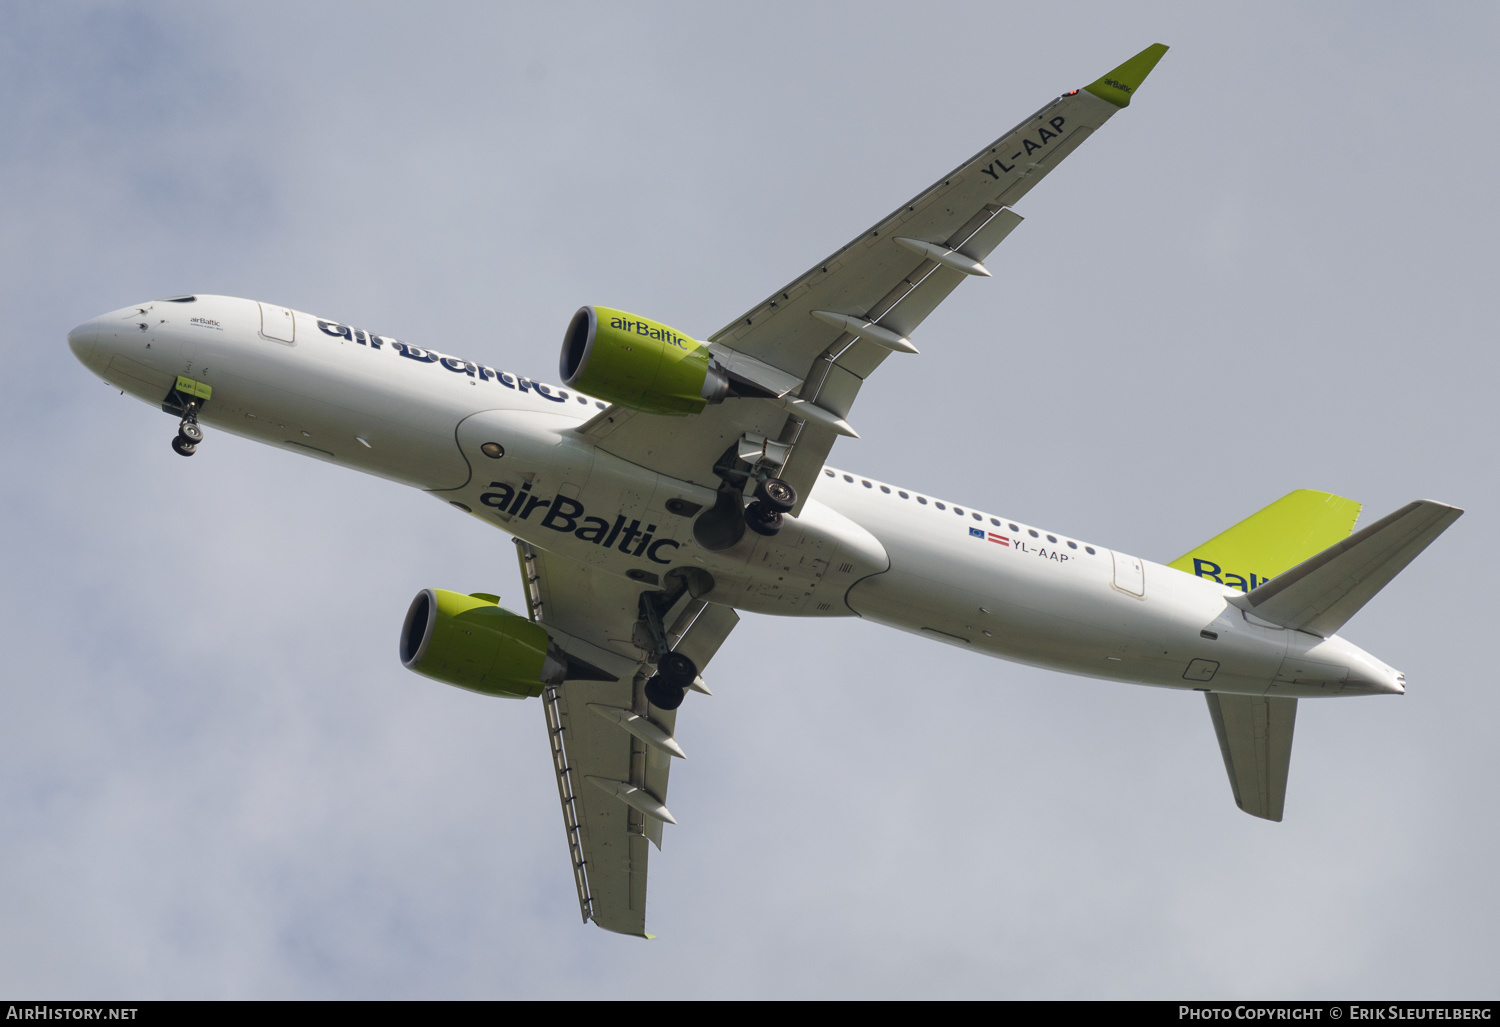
(189, 432)
(187, 398)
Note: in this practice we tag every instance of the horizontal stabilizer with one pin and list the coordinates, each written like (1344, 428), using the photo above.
(1255, 736)
(1320, 594)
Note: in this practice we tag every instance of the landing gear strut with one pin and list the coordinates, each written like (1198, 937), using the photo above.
(675, 672)
(189, 432)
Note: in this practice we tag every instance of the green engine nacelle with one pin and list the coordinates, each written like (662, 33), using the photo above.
(639, 363)
(472, 642)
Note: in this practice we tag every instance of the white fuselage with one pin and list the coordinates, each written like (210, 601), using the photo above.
(858, 547)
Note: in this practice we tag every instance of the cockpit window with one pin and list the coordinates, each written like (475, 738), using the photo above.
(181, 299)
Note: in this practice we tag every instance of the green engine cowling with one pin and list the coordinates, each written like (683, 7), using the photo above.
(639, 363)
(472, 642)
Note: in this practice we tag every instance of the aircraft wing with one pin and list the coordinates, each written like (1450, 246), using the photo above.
(814, 342)
(612, 753)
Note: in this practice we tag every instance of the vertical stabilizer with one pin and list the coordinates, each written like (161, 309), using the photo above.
(1255, 732)
(1255, 736)
(1297, 526)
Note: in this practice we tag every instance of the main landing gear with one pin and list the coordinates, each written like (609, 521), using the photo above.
(189, 431)
(675, 674)
(773, 498)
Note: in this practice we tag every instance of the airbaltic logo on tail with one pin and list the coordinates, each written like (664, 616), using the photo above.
(1209, 569)
(650, 331)
(566, 515)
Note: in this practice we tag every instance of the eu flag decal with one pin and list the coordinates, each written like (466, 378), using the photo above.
(977, 532)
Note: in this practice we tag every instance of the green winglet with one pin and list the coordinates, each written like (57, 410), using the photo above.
(1119, 85)
(1297, 526)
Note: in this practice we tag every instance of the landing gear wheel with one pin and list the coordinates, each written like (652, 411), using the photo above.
(183, 446)
(663, 694)
(191, 432)
(776, 494)
(761, 519)
(677, 668)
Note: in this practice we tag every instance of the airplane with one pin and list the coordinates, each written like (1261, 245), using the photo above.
(669, 484)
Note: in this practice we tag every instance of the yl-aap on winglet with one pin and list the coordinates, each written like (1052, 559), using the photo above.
(1119, 85)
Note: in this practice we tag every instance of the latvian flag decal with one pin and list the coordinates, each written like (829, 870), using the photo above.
(980, 534)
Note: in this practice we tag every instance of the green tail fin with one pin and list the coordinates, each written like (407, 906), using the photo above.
(1298, 525)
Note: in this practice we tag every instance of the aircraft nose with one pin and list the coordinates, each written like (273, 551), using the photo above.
(84, 342)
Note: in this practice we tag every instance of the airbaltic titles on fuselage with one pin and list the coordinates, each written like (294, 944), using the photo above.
(457, 365)
(567, 516)
(563, 514)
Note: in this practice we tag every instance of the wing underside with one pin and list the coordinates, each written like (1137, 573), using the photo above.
(803, 354)
(814, 342)
(611, 750)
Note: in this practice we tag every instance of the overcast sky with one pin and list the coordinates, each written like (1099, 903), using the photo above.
(1276, 270)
